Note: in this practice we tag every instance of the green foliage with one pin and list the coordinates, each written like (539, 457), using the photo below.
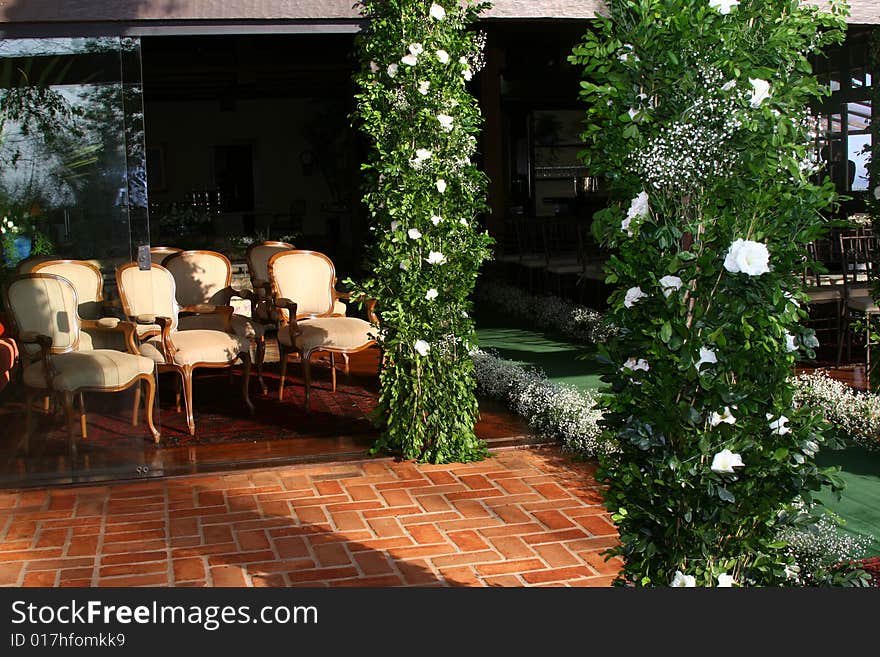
(704, 112)
(424, 196)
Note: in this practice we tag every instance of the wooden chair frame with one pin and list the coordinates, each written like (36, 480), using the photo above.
(289, 322)
(47, 350)
(168, 350)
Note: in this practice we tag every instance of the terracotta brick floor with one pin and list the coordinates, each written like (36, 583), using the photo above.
(527, 517)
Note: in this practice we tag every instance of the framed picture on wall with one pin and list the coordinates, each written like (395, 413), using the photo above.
(156, 168)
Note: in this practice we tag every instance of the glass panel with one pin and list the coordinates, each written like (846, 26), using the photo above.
(859, 153)
(858, 116)
(72, 183)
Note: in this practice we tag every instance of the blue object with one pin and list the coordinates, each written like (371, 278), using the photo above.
(22, 247)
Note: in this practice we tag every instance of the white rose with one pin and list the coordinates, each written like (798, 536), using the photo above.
(790, 342)
(392, 70)
(467, 74)
(409, 60)
(446, 122)
(394, 225)
(778, 425)
(680, 580)
(635, 365)
(706, 356)
(443, 56)
(625, 226)
(437, 12)
(436, 258)
(725, 581)
(760, 91)
(416, 49)
(374, 67)
(747, 257)
(725, 461)
(436, 219)
(441, 185)
(723, 6)
(726, 416)
(632, 113)
(632, 297)
(424, 85)
(422, 347)
(431, 294)
(638, 207)
(670, 284)
(414, 233)
(464, 223)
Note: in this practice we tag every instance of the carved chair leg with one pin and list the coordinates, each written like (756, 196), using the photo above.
(150, 384)
(261, 356)
(284, 355)
(307, 377)
(82, 416)
(246, 380)
(135, 410)
(332, 372)
(28, 417)
(178, 392)
(46, 403)
(187, 373)
(347, 364)
(68, 413)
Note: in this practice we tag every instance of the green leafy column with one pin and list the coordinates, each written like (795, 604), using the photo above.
(696, 115)
(424, 195)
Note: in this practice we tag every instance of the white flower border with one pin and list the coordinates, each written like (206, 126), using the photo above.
(856, 413)
(573, 320)
(554, 411)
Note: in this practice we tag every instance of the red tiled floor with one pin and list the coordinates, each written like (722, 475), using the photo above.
(524, 517)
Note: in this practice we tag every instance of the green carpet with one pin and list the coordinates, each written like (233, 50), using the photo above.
(563, 362)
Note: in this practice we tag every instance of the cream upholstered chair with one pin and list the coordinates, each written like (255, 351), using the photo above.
(149, 297)
(303, 291)
(88, 281)
(159, 253)
(44, 309)
(258, 256)
(203, 280)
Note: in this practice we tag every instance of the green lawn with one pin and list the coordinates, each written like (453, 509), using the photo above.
(562, 360)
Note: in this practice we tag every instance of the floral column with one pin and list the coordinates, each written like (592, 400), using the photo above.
(424, 195)
(696, 115)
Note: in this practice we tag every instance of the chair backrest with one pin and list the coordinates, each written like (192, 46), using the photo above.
(258, 256)
(45, 304)
(200, 276)
(147, 292)
(306, 277)
(27, 265)
(859, 260)
(159, 253)
(87, 280)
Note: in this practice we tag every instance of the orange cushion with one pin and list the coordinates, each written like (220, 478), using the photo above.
(8, 355)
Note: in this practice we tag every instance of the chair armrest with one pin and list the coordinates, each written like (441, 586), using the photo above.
(341, 295)
(168, 348)
(114, 325)
(45, 344)
(211, 309)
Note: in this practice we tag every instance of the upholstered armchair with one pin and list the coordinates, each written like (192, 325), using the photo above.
(149, 297)
(61, 356)
(203, 280)
(304, 293)
(159, 253)
(88, 281)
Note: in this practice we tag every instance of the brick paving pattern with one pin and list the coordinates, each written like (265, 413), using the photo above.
(523, 518)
